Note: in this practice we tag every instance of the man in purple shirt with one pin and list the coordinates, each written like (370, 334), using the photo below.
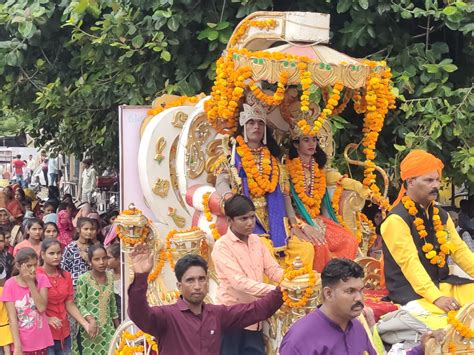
(190, 326)
(332, 328)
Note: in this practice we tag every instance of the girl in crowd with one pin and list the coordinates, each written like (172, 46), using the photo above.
(65, 226)
(5, 334)
(75, 259)
(50, 230)
(6, 259)
(113, 253)
(11, 204)
(33, 236)
(26, 297)
(95, 299)
(60, 298)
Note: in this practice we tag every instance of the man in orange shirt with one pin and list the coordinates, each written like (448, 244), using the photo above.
(241, 261)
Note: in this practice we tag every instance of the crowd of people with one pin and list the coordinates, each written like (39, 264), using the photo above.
(59, 284)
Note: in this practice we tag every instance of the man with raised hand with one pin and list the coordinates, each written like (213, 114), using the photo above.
(190, 326)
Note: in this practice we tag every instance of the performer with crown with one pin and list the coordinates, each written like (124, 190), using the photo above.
(254, 171)
(306, 167)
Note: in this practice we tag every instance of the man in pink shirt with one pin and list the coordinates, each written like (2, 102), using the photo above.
(241, 261)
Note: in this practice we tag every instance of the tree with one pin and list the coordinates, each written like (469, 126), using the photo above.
(66, 66)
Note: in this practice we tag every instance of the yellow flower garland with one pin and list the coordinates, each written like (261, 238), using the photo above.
(312, 201)
(463, 330)
(311, 130)
(290, 274)
(277, 97)
(247, 24)
(178, 102)
(207, 212)
(129, 240)
(125, 349)
(436, 258)
(259, 182)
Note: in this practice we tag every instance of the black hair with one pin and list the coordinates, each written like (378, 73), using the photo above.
(111, 215)
(87, 162)
(29, 223)
(319, 156)
(23, 256)
(92, 248)
(64, 205)
(186, 262)
(51, 224)
(27, 202)
(49, 203)
(53, 193)
(2, 233)
(340, 269)
(271, 142)
(80, 222)
(45, 245)
(238, 205)
(22, 194)
(114, 249)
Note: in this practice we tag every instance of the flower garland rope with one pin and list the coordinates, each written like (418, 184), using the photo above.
(207, 213)
(259, 182)
(463, 330)
(126, 349)
(312, 201)
(435, 257)
(289, 275)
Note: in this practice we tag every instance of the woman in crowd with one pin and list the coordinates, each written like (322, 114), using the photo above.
(5, 334)
(75, 259)
(65, 226)
(32, 237)
(6, 259)
(50, 230)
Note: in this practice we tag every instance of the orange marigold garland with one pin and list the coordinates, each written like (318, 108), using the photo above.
(347, 96)
(130, 240)
(312, 201)
(277, 97)
(290, 274)
(435, 257)
(207, 212)
(261, 179)
(178, 102)
(125, 349)
(375, 103)
(158, 266)
(247, 24)
(312, 129)
(463, 330)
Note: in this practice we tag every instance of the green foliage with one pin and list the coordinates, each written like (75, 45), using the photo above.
(65, 66)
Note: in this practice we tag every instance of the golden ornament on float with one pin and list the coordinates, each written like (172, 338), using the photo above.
(132, 227)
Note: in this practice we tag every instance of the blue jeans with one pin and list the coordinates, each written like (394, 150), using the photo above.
(61, 349)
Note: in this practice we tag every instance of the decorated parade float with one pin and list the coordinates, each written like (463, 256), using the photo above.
(276, 65)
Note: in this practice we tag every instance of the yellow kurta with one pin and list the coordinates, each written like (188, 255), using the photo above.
(397, 237)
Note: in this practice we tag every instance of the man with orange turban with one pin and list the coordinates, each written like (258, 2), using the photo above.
(418, 236)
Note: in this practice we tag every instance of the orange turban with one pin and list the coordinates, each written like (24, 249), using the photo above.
(417, 163)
